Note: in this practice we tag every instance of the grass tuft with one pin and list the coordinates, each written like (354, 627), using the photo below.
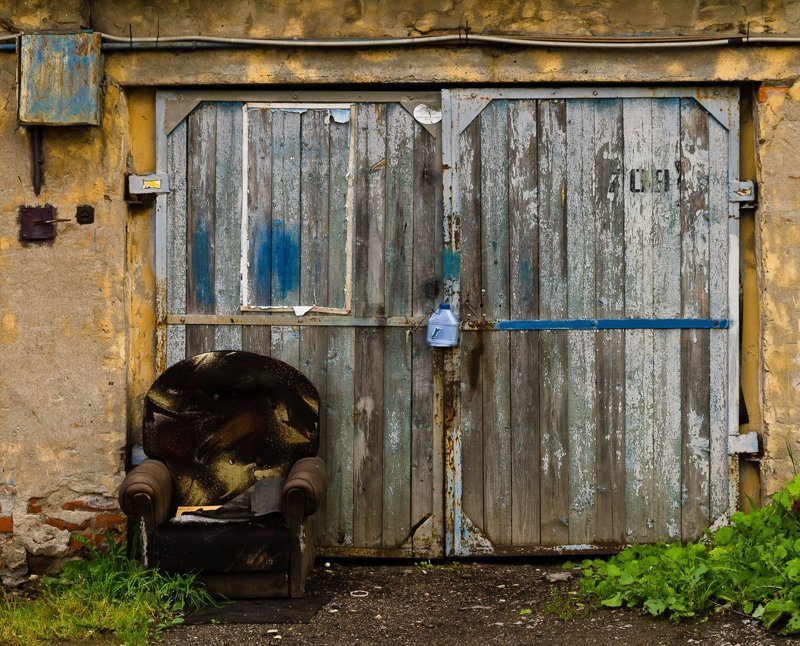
(109, 594)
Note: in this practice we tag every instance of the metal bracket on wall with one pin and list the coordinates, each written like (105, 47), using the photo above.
(744, 193)
(743, 443)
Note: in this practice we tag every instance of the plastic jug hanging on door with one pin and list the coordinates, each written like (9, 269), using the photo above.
(443, 328)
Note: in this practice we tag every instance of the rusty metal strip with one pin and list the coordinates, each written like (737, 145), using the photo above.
(451, 369)
(307, 320)
(344, 551)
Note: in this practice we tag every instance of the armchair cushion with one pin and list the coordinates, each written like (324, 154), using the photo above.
(216, 546)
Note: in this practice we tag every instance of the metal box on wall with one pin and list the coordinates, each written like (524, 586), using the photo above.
(59, 79)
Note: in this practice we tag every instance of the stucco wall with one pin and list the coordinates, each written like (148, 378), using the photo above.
(778, 247)
(77, 317)
(62, 337)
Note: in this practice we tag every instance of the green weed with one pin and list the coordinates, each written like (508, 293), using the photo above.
(752, 566)
(108, 594)
(563, 605)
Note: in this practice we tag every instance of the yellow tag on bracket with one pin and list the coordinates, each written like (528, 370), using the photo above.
(151, 184)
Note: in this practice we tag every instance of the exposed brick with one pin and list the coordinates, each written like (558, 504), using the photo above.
(35, 505)
(63, 524)
(109, 521)
(765, 90)
(6, 524)
(90, 504)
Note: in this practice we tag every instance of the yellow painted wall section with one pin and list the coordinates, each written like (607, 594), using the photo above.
(63, 333)
(77, 315)
(140, 279)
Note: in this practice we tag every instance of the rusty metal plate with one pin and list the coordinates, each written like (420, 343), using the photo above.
(59, 79)
(37, 223)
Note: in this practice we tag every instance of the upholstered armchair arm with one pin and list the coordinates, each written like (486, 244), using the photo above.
(303, 492)
(145, 496)
(309, 476)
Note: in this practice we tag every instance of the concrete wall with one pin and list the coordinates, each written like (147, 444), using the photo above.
(77, 316)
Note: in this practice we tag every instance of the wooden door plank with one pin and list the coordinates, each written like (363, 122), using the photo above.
(370, 210)
(314, 365)
(552, 166)
(609, 207)
(666, 232)
(259, 207)
(718, 308)
(200, 262)
(339, 170)
(285, 253)
(426, 473)
(335, 527)
(398, 260)
(396, 515)
(399, 227)
(369, 342)
(639, 413)
(314, 240)
(258, 338)
(368, 441)
(694, 303)
(176, 241)
(338, 408)
(314, 205)
(228, 223)
(582, 389)
(468, 178)
(286, 164)
(496, 297)
(523, 214)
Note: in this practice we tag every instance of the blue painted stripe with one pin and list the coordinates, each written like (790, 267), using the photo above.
(615, 324)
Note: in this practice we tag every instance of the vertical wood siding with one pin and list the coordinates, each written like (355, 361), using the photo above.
(375, 383)
(569, 209)
(592, 209)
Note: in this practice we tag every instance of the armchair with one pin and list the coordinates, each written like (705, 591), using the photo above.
(231, 439)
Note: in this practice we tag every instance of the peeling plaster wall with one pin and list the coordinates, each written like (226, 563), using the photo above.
(77, 316)
(358, 18)
(778, 122)
(62, 336)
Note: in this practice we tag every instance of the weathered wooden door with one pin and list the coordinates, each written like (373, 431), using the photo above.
(308, 227)
(588, 245)
(591, 250)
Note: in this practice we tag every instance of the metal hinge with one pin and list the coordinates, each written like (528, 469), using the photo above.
(743, 192)
(743, 443)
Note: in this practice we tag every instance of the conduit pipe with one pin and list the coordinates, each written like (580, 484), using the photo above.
(117, 43)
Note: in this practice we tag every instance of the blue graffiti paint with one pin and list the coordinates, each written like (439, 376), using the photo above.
(261, 263)
(285, 263)
(452, 263)
(201, 265)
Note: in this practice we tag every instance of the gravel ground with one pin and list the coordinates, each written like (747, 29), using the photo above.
(468, 603)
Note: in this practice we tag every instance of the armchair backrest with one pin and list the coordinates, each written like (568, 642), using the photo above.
(220, 420)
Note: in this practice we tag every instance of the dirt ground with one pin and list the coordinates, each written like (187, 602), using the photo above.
(466, 603)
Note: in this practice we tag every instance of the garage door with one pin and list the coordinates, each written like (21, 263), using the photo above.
(591, 254)
(585, 238)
